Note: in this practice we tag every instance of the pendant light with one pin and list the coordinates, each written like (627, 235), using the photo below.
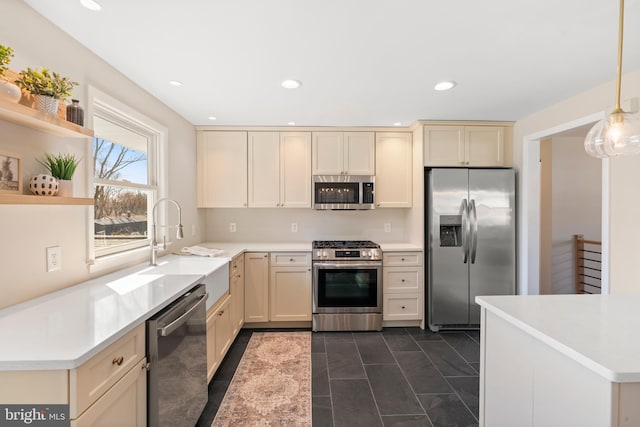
(619, 133)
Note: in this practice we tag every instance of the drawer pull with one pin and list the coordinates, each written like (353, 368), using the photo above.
(403, 307)
(402, 259)
(402, 280)
(117, 361)
(290, 259)
(221, 313)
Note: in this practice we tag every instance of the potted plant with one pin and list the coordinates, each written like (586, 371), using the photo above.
(61, 167)
(47, 86)
(8, 90)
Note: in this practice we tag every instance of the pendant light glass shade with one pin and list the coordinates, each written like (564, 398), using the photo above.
(619, 133)
(616, 135)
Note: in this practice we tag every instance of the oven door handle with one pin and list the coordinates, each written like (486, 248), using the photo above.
(350, 264)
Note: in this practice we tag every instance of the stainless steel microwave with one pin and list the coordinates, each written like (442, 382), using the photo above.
(343, 192)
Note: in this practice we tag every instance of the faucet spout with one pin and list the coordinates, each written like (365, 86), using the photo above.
(154, 242)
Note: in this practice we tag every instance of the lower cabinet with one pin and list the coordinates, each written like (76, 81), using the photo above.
(290, 287)
(256, 291)
(403, 288)
(236, 288)
(110, 389)
(125, 404)
(219, 334)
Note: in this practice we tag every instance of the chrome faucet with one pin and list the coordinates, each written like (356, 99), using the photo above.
(154, 242)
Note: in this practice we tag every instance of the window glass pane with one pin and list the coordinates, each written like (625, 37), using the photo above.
(120, 216)
(119, 153)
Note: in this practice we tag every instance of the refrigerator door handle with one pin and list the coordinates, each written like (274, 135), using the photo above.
(473, 215)
(464, 211)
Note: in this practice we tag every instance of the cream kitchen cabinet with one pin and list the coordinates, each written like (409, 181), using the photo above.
(222, 169)
(108, 389)
(466, 145)
(403, 288)
(279, 169)
(394, 171)
(219, 334)
(236, 288)
(256, 282)
(343, 153)
(290, 287)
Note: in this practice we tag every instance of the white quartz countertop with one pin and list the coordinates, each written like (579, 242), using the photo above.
(597, 331)
(400, 247)
(233, 249)
(64, 329)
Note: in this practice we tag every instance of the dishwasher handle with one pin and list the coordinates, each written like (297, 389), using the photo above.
(168, 329)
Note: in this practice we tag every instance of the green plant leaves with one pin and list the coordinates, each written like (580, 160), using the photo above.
(45, 82)
(61, 166)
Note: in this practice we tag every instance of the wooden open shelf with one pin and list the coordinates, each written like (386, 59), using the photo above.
(26, 199)
(32, 118)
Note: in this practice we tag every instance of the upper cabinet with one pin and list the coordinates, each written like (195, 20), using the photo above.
(222, 169)
(279, 169)
(477, 145)
(343, 153)
(394, 172)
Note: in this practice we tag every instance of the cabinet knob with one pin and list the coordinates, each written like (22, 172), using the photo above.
(117, 361)
(266, 256)
(402, 280)
(290, 259)
(402, 259)
(222, 312)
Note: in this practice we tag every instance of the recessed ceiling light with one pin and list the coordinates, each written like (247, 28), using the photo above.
(291, 84)
(212, 118)
(445, 85)
(91, 5)
(175, 83)
(397, 124)
(291, 123)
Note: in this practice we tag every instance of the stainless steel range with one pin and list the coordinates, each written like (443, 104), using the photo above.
(347, 285)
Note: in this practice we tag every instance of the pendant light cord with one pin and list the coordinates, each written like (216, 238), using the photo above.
(617, 108)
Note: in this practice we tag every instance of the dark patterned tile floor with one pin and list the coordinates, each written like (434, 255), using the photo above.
(396, 377)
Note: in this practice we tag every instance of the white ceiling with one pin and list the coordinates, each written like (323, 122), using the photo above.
(362, 62)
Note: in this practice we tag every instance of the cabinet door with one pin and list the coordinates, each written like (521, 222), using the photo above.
(222, 169)
(444, 146)
(295, 169)
(256, 282)
(223, 329)
(212, 355)
(236, 287)
(328, 153)
(264, 170)
(125, 404)
(484, 145)
(359, 153)
(394, 172)
(290, 294)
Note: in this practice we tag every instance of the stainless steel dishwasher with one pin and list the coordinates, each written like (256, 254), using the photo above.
(177, 351)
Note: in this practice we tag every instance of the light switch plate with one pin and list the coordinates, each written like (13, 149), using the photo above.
(232, 227)
(387, 227)
(54, 258)
(294, 227)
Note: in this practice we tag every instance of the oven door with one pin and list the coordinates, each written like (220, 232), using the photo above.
(347, 287)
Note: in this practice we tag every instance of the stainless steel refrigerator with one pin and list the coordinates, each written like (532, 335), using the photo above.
(470, 240)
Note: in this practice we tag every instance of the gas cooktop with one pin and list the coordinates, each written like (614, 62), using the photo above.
(345, 244)
(346, 250)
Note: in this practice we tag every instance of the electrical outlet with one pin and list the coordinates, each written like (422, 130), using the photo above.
(54, 258)
(232, 227)
(387, 227)
(294, 227)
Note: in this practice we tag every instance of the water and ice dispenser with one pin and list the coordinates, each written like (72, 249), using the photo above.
(450, 230)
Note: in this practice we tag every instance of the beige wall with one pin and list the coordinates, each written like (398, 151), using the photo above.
(624, 205)
(27, 230)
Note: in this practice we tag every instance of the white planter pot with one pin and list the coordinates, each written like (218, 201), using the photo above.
(47, 104)
(10, 92)
(65, 188)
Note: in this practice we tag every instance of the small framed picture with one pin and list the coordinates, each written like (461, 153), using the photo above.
(10, 173)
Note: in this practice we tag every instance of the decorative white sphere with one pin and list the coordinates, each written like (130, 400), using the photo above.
(43, 185)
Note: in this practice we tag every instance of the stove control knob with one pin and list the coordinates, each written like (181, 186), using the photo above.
(324, 254)
(319, 254)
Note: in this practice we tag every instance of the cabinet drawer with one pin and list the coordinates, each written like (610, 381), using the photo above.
(123, 405)
(284, 259)
(402, 307)
(102, 371)
(398, 259)
(398, 279)
(237, 265)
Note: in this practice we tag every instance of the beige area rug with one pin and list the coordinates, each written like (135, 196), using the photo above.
(272, 385)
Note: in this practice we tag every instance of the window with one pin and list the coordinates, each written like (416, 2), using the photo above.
(126, 153)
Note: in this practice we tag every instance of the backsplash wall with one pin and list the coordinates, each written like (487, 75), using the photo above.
(274, 225)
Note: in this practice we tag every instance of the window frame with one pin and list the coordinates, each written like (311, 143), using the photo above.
(109, 108)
